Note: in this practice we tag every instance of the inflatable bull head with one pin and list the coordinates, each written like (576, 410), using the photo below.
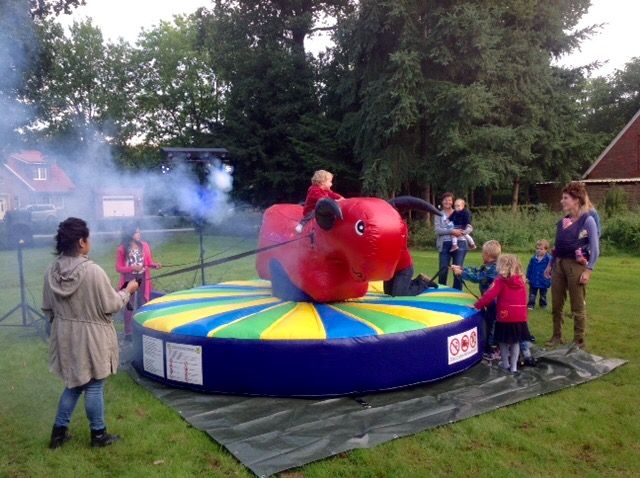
(346, 245)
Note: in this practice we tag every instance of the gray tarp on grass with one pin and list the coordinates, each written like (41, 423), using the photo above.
(269, 435)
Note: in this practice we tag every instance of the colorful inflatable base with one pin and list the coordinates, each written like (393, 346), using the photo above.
(236, 338)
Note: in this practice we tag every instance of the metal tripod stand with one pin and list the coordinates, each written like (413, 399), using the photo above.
(26, 310)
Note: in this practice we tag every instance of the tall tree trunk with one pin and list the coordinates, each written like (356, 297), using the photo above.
(426, 194)
(514, 195)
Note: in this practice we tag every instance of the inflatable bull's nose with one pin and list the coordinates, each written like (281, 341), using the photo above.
(347, 244)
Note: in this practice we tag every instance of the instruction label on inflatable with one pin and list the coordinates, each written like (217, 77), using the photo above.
(462, 346)
(152, 357)
(184, 363)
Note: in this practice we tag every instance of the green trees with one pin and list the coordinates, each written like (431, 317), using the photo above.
(85, 90)
(22, 62)
(459, 94)
(272, 120)
(414, 97)
(177, 94)
(613, 101)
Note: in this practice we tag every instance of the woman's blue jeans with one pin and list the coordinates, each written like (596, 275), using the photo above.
(456, 258)
(93, 404)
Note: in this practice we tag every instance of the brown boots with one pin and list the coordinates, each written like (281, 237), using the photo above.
(554, 340)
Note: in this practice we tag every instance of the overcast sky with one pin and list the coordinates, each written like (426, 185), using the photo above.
(616, 44)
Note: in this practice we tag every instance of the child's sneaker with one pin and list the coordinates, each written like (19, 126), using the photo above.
(492, 354)
(453, 248)
(527, 362)
(299, 228)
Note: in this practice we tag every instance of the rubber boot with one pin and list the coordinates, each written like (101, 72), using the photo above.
(59, 436)
(556, 338)
(579, 329)
(100, 438)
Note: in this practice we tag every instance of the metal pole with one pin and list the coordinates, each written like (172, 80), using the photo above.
(201, 254)
(23, 298)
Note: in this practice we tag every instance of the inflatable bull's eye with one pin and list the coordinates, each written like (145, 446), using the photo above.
(360, 228)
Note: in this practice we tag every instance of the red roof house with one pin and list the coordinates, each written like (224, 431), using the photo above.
(28, 177)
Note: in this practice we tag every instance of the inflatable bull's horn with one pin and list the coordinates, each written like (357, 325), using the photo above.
(327, 212)
(405, 203)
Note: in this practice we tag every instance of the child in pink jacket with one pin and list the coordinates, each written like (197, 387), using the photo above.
(510, 293)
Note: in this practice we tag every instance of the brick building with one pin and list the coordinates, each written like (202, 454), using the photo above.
(619, 165)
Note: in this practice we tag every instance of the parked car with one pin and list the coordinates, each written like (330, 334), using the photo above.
(43, 213)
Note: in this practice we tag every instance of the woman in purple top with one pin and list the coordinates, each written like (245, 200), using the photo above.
(576, 233)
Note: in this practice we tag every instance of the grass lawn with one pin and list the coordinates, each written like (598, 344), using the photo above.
(590, 430)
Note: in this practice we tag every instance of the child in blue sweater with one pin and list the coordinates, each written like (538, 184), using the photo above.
(484, 277)
(538, 283)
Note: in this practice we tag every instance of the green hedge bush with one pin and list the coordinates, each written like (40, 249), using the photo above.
(519, 231)
(621, 233)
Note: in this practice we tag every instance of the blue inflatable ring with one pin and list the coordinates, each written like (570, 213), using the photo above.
(237, 338)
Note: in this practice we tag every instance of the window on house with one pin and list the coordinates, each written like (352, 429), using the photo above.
(40, 174)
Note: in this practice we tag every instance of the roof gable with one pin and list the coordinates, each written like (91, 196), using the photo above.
(633, 124)
(29, 157)
(21, 166)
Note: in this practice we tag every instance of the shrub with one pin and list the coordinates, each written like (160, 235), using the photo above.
(621, 232)
(616, 201)
(520, 231)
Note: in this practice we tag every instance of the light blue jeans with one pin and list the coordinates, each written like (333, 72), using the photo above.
(93, 404)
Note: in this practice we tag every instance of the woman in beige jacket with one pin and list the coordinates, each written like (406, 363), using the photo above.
(83, 348)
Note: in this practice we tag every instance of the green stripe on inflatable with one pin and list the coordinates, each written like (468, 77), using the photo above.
(167, 308)
(217, 292)
(257, 323)
(389, 324)
(423, 299)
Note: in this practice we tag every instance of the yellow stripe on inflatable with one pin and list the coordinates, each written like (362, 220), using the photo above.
(203, 295)
(430, 318)
(170, 321)
(302, 322)
(249, 283)
(376, 287)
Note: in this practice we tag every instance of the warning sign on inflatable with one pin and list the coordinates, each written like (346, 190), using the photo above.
(462, 346)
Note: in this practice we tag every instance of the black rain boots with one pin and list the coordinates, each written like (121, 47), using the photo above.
(59, 436)
(100, 438)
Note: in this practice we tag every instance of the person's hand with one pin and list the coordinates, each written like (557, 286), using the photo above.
(132, 286)
(585, 276)
(457, 270)
(457, 232)
(547, 272)
(158, 265)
